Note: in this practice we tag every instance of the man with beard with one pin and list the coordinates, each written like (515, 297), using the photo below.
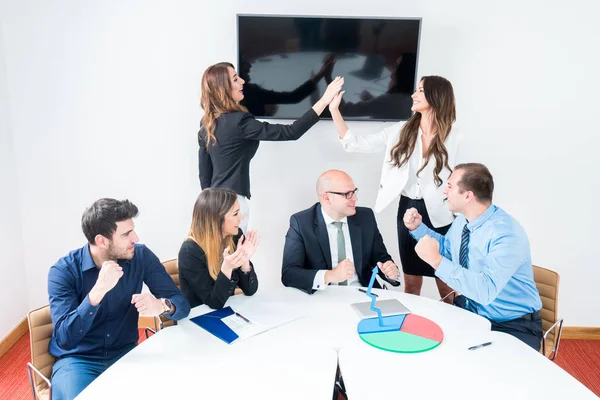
(96, 297)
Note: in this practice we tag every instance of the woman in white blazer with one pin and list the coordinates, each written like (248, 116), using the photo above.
(417, 164)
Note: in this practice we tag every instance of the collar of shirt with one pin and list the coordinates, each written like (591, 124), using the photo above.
(87, 262)
(479, 221)
(329, 220)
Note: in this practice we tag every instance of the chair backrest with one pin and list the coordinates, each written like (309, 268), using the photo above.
(173, 270)
(547, 283)
(40, 332)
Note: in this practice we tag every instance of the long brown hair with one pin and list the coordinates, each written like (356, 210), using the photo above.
(207, 221)
(440, 96)
(216, 98)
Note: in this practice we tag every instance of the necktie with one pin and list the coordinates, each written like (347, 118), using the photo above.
(464, 248)
(341, 246)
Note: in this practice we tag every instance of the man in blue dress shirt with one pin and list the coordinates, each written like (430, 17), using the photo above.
(484, 256)
(96, 297)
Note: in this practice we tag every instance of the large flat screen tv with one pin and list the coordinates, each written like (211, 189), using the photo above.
(280, 58)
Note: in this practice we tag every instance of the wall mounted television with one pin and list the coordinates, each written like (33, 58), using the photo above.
(281, 57)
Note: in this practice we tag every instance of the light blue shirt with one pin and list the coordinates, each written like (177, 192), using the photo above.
(499, 282)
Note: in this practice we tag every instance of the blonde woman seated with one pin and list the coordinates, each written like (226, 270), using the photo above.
(215, 257)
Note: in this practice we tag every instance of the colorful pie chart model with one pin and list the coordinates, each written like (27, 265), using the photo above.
(408, 333)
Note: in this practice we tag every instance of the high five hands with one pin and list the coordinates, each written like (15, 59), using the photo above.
(330, 93)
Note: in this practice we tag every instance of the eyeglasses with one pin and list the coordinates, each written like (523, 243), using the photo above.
(347, 195)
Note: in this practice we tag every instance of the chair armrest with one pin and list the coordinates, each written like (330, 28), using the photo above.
(559, 321)
(147, 331)
(554, 352)
(453, 293)
(30, 370)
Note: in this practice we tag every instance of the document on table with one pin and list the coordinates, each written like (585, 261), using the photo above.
(244, 329)
(249, 319)
(267, 313)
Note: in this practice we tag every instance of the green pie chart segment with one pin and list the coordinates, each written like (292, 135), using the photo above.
(399, 342)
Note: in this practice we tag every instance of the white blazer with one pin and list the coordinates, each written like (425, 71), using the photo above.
(394, 179)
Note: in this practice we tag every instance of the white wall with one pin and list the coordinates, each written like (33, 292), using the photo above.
(13, 293)
(104, 102)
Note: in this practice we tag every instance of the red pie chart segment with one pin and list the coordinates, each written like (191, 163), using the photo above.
(422, 327)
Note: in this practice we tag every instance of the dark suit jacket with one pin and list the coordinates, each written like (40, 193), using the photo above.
(307, 248)
(226, 163)
(200, 288)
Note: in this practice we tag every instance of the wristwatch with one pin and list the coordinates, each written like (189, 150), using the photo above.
(167, 305)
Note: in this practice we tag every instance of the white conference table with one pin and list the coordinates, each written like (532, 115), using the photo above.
(507, 369)
(298, 360)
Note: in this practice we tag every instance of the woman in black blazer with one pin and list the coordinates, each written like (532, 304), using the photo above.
(215, 257)
(229, 136)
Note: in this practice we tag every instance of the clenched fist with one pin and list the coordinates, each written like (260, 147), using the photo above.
(412, 219)
(429, 250)
(343, 271)
(147, 305)
(389, 269)
(109, 276)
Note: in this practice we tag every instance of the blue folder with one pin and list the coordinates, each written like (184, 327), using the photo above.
(212, 323)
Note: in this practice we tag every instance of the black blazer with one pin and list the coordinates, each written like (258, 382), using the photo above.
(307, 248)
(226, 163)
(198, 286)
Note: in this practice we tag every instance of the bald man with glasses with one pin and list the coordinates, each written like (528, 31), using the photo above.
(335, 242)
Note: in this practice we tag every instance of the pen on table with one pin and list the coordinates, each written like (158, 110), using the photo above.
(242, 317)
(480, 346)
(364, 291)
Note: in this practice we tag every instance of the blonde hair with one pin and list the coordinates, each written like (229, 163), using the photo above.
(206, 230)
(440, 96)
(216, 98)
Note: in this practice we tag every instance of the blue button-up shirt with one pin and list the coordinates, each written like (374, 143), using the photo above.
(105, 330)
(499, 281)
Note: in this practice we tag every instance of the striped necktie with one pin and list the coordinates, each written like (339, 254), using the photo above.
(464, 248)
(341, 246)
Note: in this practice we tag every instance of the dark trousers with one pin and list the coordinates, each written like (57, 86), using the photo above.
(527, 328)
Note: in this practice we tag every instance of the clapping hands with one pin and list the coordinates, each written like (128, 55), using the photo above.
(240, 258)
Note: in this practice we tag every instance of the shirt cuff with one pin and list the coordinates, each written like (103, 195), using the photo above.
(246, 272)
(87, 312)
(445, 269)
(419, 232)
(182, 308)
(348, 137)
(319, 281)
